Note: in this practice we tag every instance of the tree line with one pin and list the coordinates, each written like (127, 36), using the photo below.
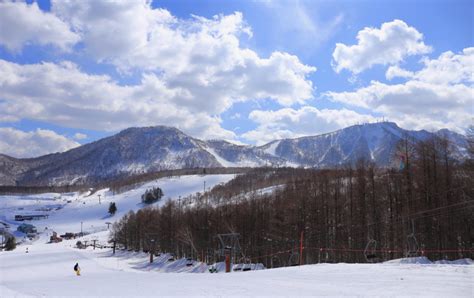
(355, 213)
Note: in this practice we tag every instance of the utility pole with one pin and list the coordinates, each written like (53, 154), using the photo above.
(81, 230)
(94, 241)
(99, 198)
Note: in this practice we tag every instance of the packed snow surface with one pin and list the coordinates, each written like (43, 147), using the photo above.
(47, 268)
(67, 211)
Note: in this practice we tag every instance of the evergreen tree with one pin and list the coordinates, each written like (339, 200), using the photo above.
(152, 195)
(10, 244)
(112, 208)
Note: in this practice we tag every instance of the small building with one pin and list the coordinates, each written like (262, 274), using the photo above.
(55, 238)
(68, 236)
(30, 217)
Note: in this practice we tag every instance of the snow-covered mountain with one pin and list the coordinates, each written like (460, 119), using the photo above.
(375, 142)
(148, 149)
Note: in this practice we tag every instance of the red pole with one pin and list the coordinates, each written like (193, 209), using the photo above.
(227, 262)
(301, 248)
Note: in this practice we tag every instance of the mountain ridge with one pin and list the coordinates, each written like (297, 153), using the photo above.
(138, 150)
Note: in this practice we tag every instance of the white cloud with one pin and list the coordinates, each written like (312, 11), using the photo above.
(448, 68)
(192, 71)
(22, 23)
(395, 71)
(291, 123)
(387, 46)
(201, 56)
(80, 136)
(18, 143)
(63, 95)
(439, 95)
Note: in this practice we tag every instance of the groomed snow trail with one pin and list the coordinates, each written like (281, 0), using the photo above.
(47, 270)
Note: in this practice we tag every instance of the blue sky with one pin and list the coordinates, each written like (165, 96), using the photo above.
(245, 71)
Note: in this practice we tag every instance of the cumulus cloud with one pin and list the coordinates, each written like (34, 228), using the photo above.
(202, 56)
(18, 143)
(448, 68)
(438, 95)
(308, 120)
(387, 46)
(191, 71)
(64, 95)
(395, 71)
(22, 23)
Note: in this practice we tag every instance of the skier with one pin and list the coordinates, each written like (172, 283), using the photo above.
(77, 269)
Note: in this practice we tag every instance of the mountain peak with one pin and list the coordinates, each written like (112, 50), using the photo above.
(139, 150)
(150, 129)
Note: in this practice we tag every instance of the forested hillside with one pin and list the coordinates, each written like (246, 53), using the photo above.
(361, 213)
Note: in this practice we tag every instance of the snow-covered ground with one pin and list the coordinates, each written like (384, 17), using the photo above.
(46, 270)
(75, 208)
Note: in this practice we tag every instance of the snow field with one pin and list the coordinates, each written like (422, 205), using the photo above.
(85, 208)
(47, 269)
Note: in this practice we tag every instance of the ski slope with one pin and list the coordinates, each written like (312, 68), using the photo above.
(76, 207)
(46, 270)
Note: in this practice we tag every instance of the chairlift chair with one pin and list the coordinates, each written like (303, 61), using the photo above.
(294, 259)
(412, 246)
(370, 251)
(247, 265)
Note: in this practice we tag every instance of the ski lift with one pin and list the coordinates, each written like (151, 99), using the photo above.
(275, 262)
(243, 264)
(294, 259)
(370, 251)
(412, 243)
(247, 266)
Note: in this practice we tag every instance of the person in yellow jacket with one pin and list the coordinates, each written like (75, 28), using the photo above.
(77, 269)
